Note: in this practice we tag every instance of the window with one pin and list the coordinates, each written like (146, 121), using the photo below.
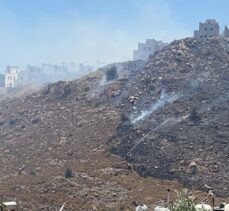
(205, 28)
(205, 36)
(211, 29)
(201, 36)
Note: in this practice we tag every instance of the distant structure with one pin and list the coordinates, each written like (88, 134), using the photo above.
(208, 29)
(85, 68)
(148, 48)
(226, 32)
(2, 80)
(11, 77)
(46, 73)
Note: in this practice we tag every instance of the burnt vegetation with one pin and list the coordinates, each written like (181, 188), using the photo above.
(82, 122)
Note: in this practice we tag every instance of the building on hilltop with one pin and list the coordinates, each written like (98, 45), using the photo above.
(11, 77)
(207, 30)
(210, 29)
(147, 49)
(226, 32)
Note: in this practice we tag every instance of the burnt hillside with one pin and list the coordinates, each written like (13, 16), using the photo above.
(180, 96)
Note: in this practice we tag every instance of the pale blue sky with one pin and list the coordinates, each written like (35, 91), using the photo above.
(56, 31)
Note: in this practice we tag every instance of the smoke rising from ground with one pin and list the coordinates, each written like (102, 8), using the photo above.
(162, 101)
(170, 121)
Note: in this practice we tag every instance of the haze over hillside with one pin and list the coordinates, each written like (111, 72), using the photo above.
(180, 96)
(52, 32)
(114, 105)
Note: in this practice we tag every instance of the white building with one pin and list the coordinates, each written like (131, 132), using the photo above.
(148, 48)
(11, 77)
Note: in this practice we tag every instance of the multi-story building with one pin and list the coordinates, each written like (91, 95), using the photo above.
(210, 29)
(11, 77)
(148, 48)
(207, 30)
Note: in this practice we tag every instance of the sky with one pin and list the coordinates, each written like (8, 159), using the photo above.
(86, 31)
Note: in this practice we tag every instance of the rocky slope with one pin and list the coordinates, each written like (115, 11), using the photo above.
(66, 126)
(179, 98)
(182, 98)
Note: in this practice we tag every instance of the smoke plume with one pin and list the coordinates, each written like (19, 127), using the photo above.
(162, 101)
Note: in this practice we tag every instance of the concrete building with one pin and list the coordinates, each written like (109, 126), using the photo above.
(148, 48)
(208, 29)
(11, 77)
(226, 32)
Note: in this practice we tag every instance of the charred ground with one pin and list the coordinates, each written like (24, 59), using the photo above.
(189, 138)
(181, 94)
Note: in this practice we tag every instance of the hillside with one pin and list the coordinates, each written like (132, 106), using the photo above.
(8, 93)
(93, 127)
(182, 98)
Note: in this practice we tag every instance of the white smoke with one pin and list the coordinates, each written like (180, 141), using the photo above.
(162, 101)
(170, 121)
(173, 120)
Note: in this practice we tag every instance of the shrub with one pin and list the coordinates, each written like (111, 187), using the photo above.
(68, 173)
(97, 103)
(86, 89)
(124, 117)
(194, 116)
(111, 73)
(147, 81)
(183, 203)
